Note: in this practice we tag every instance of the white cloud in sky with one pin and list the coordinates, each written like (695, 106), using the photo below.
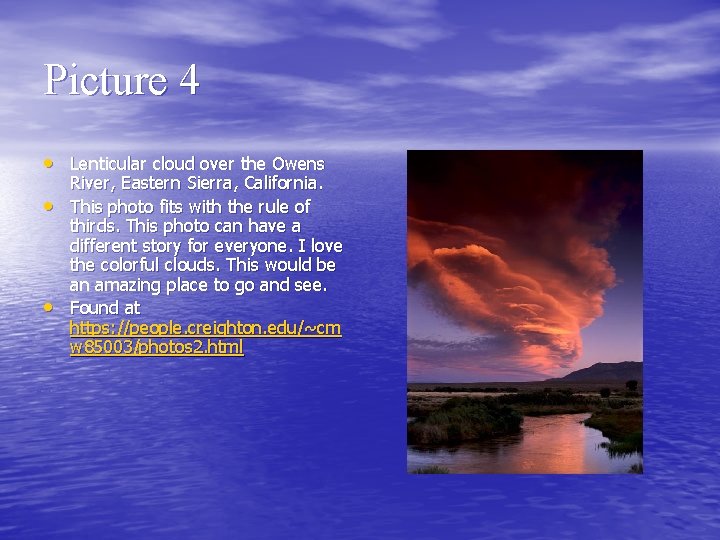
(239, 24)
(628, 54)
(401, 24)
(394, 23)
(358, 105)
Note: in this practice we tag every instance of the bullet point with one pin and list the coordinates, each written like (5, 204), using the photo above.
(48, 306)
(48, 162)
(48, 206)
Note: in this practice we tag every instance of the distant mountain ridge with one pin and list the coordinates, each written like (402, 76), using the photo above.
(606, 372)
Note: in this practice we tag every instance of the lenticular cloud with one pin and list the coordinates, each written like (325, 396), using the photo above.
(509, 244)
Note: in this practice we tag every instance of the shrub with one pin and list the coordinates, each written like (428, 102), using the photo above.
(541, 398)
(625, 446)
(464, 419)
(432, 469)
(622, 427)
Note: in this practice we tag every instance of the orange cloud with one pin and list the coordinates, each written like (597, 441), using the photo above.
(522, 260)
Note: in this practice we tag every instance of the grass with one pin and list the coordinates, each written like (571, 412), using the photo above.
(432, 469)
(617, 387)
(547, 402)
(464, 419)
(535, 403)
(549, 410)
(441, 418)
(626, 446)
(486, 389)
(622, 426)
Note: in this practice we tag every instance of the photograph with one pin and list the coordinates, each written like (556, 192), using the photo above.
(525, 322)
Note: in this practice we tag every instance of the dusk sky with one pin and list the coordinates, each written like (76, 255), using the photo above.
(522, 265)
(366, 74)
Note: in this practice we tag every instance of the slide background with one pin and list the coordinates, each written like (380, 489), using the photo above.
(308, 439)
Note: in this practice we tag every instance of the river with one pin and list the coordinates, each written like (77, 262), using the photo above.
(557, 444)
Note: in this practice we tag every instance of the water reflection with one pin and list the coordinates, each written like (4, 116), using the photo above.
(558, 444)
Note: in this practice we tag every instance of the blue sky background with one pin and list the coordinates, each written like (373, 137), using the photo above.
(369, 73)
(307, 443)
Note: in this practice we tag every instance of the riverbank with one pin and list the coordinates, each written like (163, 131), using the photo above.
(556, 444)
(530, 403)
(624, 428)
(445, 421)
(462, 419)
